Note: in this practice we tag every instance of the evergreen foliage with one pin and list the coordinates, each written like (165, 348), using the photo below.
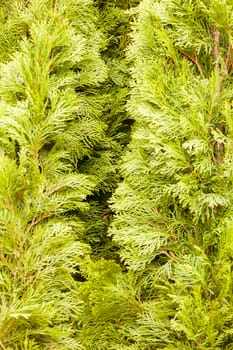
(47, 125)
(13, 27)
(109, 307)
(152, 269)
(113, 22)
(174, 208)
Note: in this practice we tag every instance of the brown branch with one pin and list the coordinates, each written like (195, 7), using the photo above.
(216, 36)
(187, 56)
(228, 58)
(122, 42)
(55, 4)
(56, 189)
(198, 64)
(228, 62)
(14, 273)
(36, 221)
(194, 60)
(45, 216)
(131, 305)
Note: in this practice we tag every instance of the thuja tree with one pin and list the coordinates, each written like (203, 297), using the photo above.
(173, 220)
(47, 125)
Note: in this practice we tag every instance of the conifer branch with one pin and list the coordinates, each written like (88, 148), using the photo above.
(194, 60)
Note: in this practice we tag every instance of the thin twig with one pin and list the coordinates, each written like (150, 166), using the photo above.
(131, 305)
(56, 189)
(7, 264)
(228, 62)
(194, 60)
(169, 254)
(36, 221)
(198, 64)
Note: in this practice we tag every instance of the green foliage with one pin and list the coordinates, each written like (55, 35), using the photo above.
(103, 160)
(42, 192)
(110, 306)
(13, 27)
(174, 207)
(162, 277)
